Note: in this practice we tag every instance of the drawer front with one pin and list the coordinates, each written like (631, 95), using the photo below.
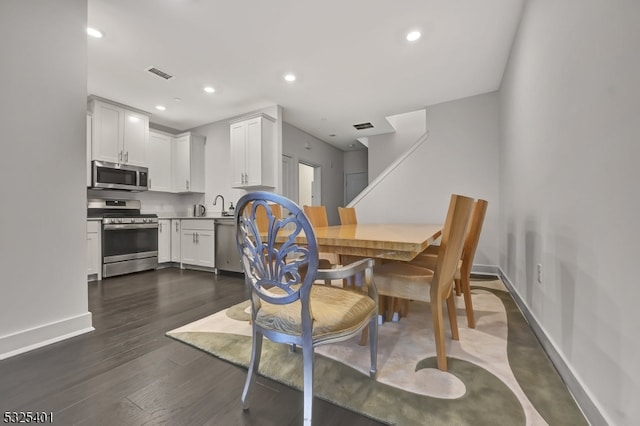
(198, 224)
(93, 226)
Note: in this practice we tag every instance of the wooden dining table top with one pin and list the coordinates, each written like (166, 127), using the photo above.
(398, 241)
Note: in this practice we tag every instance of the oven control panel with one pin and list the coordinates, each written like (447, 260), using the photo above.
(129, 220)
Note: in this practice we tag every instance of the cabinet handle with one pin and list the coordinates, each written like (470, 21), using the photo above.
(120, 156)
(176, 226)
(126, 157)
(149, 183)
(187, 183)
(160, 226)
(193, 238)
(197, 238)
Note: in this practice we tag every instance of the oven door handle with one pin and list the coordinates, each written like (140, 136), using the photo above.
(115, 227)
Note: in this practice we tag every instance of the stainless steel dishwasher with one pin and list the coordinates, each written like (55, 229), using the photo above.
(227, 257)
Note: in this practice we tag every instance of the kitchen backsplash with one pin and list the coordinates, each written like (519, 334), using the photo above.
(160, 203)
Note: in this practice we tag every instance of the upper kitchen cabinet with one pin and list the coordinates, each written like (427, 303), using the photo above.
(188, 163)
(159, 161)
(252, 152)
(119, 134)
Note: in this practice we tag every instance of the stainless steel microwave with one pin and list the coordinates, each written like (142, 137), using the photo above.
(106, 175)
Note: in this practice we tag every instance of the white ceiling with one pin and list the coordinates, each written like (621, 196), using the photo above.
(351, 58)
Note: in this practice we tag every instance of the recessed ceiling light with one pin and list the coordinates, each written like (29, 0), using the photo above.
(161, 107)
(209, 89)
(413, 35)
(177, 99)
(94, 33)
(290, 77)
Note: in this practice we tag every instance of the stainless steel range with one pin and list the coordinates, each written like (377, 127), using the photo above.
(129, 238)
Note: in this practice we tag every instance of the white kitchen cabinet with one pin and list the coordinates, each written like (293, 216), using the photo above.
(253, 162)
(197, 243)
(164, 240)
(175, 240)
(159, 161)
(88, 150)
(119, 135)
(187, 159)
(94, 250)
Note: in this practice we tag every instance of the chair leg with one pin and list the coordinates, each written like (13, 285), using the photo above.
(468, 304)
(373, 346)
(364, 337)
(404, 308)
(307, 357)
(453, 318)
(254, 363)
(391, 308)
(438, 331)
(458, 287)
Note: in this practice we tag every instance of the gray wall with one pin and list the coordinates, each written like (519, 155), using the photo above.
(356, 161)
(569, 186)
(43, 248)
(322, 154)
(460, 156)
(385, 148)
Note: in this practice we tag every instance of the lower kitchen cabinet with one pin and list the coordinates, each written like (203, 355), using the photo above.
(164, 240)
(94, 250)
(197, 243)
(175, 240)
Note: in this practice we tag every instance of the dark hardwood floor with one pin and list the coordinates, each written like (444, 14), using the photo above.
(127, 372)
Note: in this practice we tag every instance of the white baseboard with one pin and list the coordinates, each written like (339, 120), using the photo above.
(485, 270)
(43, 335)
(580, 394)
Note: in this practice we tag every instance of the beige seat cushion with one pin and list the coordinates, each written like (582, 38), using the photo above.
(334, 310)
(403, 280)
(429, 261)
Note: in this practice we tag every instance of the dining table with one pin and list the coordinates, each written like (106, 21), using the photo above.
(393, 241)
(382, 241)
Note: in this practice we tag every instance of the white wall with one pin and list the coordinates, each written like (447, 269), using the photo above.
(460, 156)
(356, 161)
(43, 248)
(321, 154)
(384, 149)
(570, 199)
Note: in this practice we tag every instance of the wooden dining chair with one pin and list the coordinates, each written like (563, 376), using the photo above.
(262, 219)
(429, 257)
(318, 217)
(408, 281)
(286, 306)
(347, 215)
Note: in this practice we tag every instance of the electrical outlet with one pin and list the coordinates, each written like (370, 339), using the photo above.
(539, 270)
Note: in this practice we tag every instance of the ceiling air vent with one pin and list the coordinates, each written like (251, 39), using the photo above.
(363, 126)
(159, 73)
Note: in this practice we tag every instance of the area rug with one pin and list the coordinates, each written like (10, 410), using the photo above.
(498, 373)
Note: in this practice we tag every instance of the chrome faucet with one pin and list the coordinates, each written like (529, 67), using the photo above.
(216, 199)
